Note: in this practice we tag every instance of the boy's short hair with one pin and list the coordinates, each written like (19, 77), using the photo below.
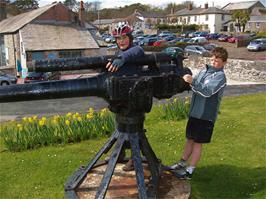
(220, 52)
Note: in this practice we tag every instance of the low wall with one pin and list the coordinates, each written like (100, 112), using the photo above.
(235, 69)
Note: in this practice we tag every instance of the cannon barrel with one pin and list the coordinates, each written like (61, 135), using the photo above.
(97, 62)
(93, 86)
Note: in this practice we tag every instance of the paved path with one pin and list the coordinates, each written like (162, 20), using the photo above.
(17, 110)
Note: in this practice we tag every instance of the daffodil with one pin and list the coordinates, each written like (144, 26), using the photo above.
(69, 114)
(89, 116)
(67, 122)
(41, 122)
(79, 118)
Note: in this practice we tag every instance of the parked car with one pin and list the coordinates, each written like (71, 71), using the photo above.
(149, 41)
(174, 51)
(112, 46)
(184, 40)
(213, 36)
(186, 33)
(210, 46)
(198, 40)
(33, 77)
(201, 34)
(196, 50)
(257, 45)
(160, 43)
(236, 38)
(7, 79)
(224, 38)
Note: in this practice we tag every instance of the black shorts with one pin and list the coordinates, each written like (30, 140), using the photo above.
(199, 130)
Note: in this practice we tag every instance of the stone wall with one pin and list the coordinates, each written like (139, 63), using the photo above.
(235, 69)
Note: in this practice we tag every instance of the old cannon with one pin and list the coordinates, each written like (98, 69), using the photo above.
(129, 94)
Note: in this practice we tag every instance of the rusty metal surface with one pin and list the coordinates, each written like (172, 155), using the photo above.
(123, 185)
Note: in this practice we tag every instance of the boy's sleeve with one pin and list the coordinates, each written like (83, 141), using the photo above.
(210, 86)
(132, 53)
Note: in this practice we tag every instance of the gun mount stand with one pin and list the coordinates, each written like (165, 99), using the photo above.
(128, 129)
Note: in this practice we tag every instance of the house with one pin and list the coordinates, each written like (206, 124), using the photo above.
(257, 13)
(257, 21)
(52, 31)
(209, 18)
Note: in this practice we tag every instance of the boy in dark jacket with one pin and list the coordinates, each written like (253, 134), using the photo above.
(127, 52)
(207, 87)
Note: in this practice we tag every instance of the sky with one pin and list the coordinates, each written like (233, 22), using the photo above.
(160, 3)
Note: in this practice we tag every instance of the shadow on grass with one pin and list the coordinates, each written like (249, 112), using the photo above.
(230, 182)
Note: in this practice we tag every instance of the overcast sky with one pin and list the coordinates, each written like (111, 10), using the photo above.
(161, 3)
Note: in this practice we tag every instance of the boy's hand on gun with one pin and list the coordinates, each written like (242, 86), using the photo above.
(188, 78)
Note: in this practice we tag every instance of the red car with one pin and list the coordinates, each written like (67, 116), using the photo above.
(224, 38)
(160, 43)
(235, 38)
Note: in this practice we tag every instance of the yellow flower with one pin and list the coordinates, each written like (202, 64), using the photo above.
(34, 117)
(20, 128)
(69, 114)
(79, 118)
(67, 122)
(89, 116)
(30, 120)
(175, 100)
(54, 121)
(43, 118)
(103, 112)
(91, 110)
(41, 122)
(19, 125)
(24, 119)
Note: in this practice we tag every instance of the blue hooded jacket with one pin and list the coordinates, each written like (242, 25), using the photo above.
(208, 87)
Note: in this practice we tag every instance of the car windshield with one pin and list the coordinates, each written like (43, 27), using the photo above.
(255, 42)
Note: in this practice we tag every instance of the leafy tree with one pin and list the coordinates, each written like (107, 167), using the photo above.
(241, 18)
(25, 5)
(71, 4)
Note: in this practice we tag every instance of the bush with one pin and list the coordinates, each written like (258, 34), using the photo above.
(176, 109)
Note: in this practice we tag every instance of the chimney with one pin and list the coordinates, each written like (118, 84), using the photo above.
(206, 6)
(81, 14)
(2, 10)
(190, 6)
(172, 10)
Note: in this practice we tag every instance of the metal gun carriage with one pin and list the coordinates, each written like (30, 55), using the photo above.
(129, 95)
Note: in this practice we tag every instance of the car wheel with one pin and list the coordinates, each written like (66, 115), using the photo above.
(4, 83)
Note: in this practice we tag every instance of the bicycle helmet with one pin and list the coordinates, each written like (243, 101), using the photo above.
(122, 28)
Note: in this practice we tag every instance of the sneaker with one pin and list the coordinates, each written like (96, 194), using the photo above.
(182, 174)
(178, 166)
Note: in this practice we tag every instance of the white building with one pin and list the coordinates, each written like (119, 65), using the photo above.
(210, 19)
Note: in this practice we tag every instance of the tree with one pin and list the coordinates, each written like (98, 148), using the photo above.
(241, 18)
(26, 5)
(71, 4)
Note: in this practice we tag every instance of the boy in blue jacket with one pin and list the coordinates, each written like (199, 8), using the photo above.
(127, 52)
(208, 87)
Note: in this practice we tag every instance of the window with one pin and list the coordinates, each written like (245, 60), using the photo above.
(257, 25)
(195, 18)
(70, 54)
(188, 19)
(206, 17)
(2, 52)
(222, 17)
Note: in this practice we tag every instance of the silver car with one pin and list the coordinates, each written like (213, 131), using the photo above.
(6, 79)
(257, 45)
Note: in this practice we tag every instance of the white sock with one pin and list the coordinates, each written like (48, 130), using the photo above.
(190, 169)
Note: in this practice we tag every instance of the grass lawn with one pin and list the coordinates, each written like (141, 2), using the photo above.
(233, 166)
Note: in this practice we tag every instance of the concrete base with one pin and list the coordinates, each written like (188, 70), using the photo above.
(123, 184)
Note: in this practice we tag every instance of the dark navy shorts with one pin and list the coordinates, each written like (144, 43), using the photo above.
(199, 130)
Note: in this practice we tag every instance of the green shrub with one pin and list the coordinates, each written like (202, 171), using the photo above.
(175, 109)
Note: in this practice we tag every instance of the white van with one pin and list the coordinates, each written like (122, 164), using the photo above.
(198, 40)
